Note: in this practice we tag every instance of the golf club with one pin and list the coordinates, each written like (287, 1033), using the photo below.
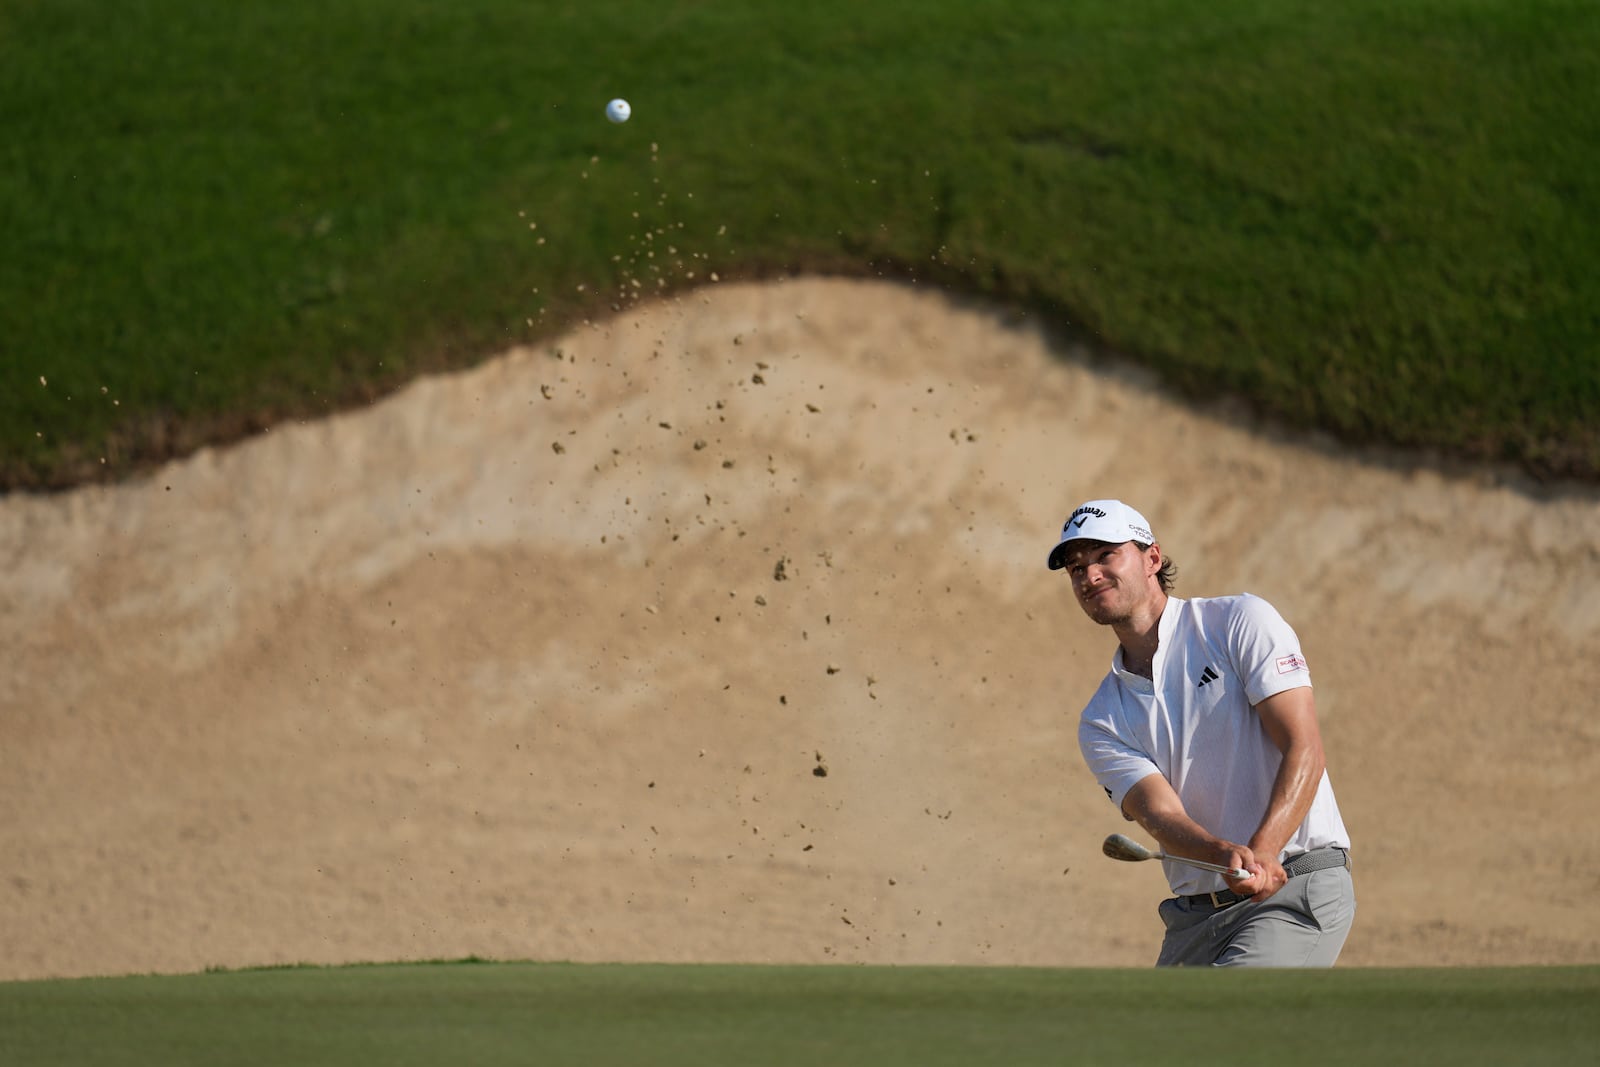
(1119, 847)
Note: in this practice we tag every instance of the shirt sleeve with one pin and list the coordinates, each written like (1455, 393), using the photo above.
(1115, 764)
(1265, 650)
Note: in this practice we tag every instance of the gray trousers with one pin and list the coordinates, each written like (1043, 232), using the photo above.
(1304, 924)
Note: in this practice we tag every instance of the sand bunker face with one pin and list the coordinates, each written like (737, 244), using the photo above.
(721, 631)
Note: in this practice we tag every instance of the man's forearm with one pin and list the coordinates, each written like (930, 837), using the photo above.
(1290, 719)
(1155, 806)
(1293, 790)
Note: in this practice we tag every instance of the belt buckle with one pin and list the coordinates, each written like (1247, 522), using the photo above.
(1218, 905)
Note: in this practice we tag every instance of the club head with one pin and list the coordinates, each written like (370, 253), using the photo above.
(1119, 847)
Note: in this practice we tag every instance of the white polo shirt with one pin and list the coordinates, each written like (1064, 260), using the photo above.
(1194, 722)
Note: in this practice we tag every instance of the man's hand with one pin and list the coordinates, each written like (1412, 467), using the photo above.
(1267, 875)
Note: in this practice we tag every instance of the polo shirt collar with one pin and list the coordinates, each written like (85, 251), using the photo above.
(1164, 632)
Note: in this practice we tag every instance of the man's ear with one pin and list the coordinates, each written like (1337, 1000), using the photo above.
(1152, 561)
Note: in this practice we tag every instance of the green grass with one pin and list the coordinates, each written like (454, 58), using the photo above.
(1371, 218)
(713, 1015)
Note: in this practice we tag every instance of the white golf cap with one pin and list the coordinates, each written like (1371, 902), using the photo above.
(1110, 521)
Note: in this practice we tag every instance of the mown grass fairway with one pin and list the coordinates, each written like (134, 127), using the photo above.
(718, 1015)
(1379, 220)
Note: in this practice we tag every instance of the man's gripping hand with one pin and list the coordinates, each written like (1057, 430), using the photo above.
(1267, 875)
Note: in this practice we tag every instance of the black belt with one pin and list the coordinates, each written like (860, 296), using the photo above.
(1318, 859)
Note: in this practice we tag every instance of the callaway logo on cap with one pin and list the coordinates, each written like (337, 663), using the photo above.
(1110, 521)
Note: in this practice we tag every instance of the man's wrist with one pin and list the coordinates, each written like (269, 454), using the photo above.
(1266, 848)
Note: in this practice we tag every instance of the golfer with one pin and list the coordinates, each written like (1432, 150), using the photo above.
(1205, 733)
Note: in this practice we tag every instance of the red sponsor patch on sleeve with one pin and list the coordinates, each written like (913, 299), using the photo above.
(1291, 663)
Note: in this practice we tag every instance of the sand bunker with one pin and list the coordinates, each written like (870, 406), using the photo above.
(721, 631)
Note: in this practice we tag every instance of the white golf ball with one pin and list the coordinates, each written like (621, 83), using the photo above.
(618, 110)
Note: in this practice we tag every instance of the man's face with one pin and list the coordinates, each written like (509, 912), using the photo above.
(1111, 581)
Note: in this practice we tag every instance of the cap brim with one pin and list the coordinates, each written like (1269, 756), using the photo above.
(1056, 562)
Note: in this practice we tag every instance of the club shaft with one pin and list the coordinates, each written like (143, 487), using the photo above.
(1203, 865)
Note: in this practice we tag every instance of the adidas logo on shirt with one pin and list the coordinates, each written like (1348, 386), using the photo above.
(1208, 675)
